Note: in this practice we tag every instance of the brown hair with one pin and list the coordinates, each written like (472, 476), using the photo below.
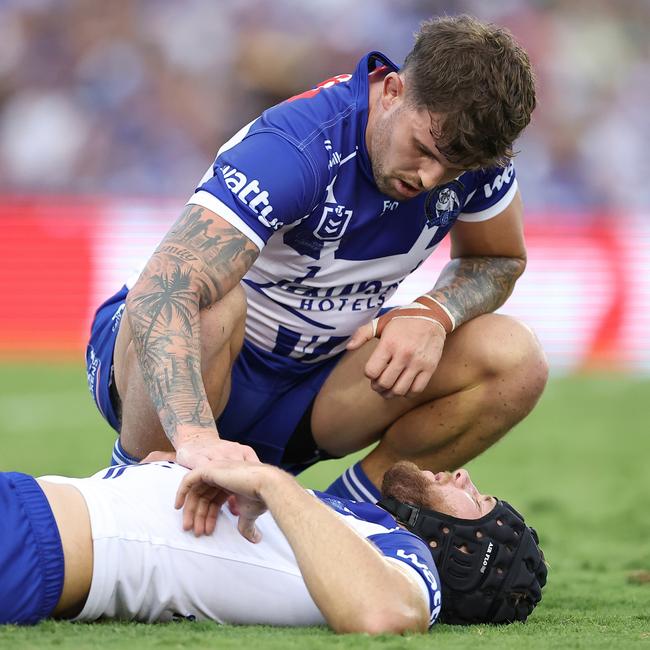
(480, 79)
(404, 482)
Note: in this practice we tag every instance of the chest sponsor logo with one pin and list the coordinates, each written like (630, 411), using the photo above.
(251, 194)
(357, 296)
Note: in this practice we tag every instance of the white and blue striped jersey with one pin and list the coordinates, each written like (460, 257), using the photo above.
(333, 249)
(147, 568)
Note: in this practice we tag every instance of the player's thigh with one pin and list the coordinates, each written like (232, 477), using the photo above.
(348, 414)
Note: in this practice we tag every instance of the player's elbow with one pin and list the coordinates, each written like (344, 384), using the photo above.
(384, 620)
(521, 262)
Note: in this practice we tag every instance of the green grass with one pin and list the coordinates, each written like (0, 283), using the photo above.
(577, 467)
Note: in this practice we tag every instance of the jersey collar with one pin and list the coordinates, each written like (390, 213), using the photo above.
(369, 63)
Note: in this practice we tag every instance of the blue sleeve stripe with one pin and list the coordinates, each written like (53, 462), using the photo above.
(211, 202)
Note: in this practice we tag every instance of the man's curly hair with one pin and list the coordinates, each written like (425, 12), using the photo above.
(480, 80)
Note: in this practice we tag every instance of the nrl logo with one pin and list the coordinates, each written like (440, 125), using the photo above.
(333, 223)
(442, 205)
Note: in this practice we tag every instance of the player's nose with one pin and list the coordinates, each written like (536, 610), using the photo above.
(461, 478)
(430, 174)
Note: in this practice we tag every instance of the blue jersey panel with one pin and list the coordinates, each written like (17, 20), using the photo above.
(31, 556)
(265, 180)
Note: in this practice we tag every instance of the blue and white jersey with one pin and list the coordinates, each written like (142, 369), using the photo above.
(395, 543)
(333, 249)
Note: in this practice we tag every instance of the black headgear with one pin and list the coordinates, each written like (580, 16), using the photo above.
(499, 574)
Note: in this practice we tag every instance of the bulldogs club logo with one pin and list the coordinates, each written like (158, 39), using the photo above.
(443, 204)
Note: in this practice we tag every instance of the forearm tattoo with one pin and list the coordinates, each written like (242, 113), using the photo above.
(197, 263)
(471, 286)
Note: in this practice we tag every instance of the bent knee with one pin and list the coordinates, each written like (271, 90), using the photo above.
(223, 324)
(507, 346)
(228, 312)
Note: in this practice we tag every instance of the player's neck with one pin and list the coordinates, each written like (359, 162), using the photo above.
(375, 86)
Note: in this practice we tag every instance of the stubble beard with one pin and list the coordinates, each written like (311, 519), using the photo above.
(404, 482)
(380, 145)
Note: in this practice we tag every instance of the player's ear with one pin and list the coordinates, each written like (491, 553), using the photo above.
(392, 90)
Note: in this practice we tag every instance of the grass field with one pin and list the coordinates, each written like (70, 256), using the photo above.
(578, 467)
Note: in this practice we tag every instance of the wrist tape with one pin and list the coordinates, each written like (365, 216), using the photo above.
(423, 308)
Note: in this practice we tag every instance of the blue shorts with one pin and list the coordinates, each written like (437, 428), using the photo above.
(99, 355)
(269, 393)
(268, 398)
(31, 555)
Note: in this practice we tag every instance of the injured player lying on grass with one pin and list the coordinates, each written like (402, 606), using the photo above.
(128, 543)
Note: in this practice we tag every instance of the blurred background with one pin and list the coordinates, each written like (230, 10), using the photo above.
(134, 98)
(110, 112)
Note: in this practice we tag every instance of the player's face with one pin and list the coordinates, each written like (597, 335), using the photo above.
(455, 494)
(451, 493)
(403, 152)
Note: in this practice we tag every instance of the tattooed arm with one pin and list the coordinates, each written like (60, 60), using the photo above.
(198, 262)
(487, 259)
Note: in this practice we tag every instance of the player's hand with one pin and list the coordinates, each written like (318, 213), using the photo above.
(156, 456)
(196, 451)
(405, 358)
(239, 482)
(247, 510)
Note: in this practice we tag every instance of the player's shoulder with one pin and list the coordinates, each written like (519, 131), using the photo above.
(487, 191)
(327, 121)
(314, 125)
(486, 182)
(368, 518)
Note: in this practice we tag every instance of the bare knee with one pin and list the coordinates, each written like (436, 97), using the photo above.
(510, 350)
(223, 324)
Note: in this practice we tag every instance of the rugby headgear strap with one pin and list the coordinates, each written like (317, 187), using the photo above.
(491, 569)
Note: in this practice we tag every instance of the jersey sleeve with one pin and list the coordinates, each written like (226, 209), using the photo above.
(412, 552)
(489, 193)
(259, 185)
